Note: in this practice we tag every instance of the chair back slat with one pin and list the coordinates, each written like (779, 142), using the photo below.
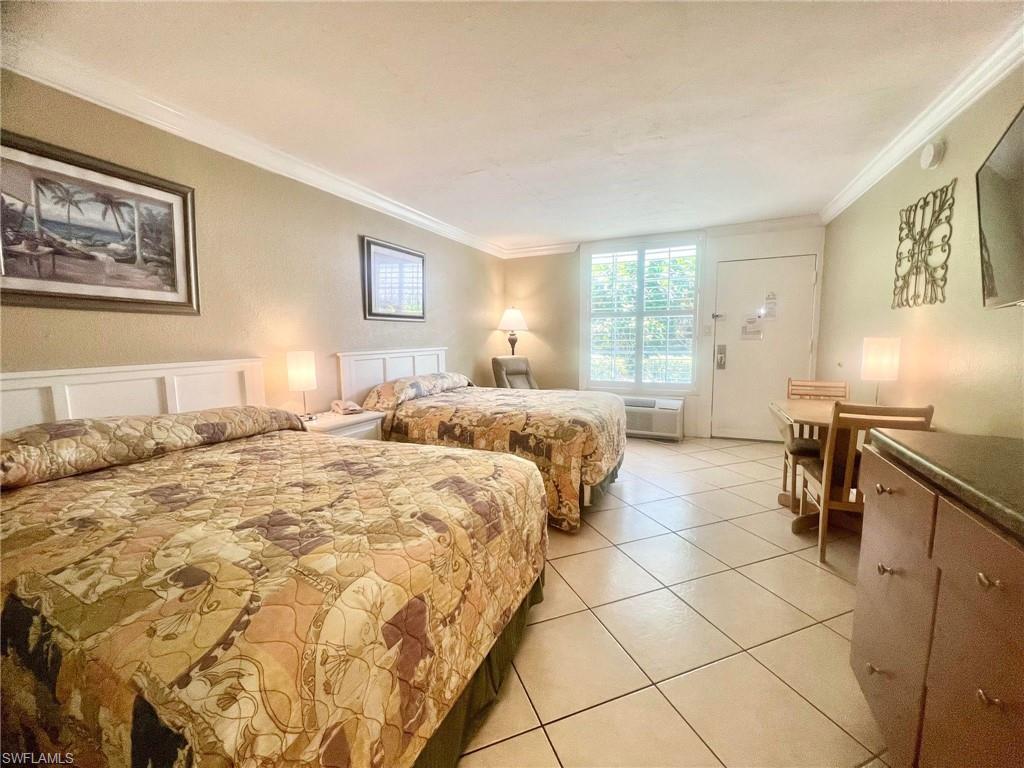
(850, 421)
(810, 389)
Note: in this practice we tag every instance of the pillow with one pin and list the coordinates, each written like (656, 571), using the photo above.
(45, 452)
(391, 394)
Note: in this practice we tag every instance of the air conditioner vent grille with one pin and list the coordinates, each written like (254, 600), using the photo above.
(640, 402)
(649, 417)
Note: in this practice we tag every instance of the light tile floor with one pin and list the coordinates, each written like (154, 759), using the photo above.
(685, 625)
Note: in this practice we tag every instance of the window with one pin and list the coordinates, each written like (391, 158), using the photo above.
(639, 318)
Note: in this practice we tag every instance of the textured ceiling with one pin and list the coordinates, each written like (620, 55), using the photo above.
(532, 123)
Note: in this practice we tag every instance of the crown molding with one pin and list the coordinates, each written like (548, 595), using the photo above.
(59, 71)
(950, 103)
(553, 249)
(806, 221)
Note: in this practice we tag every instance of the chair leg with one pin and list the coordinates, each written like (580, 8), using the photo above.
(792, 481)
(822, 530)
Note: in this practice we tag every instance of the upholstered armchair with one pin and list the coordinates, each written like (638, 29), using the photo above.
(513, 373)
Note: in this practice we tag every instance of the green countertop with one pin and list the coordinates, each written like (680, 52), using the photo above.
(985, 473)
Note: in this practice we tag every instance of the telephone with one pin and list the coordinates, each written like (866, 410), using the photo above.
(345, 407)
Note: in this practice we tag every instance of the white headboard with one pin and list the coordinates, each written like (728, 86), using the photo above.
(362, 371)
(34, 397)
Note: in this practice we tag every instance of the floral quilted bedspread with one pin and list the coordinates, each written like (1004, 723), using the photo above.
(573, 437)
(225, 589)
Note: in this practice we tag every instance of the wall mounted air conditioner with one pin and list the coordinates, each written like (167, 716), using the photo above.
(654, 417)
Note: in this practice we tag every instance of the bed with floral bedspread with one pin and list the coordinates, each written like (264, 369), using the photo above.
(223, 588)
(574, 438)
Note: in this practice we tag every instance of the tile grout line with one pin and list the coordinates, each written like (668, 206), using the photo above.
(746, 650)
(742, 650)
(655, 684)
(824, 714)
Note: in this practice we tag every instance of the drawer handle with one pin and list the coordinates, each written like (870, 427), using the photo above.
(988, 583)
(884, 569)
(989, 701)
(872, 669)
(880, 489)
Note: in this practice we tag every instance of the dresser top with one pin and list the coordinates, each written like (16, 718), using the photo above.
(985, 473)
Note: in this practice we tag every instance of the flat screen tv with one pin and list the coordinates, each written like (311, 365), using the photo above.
(1001, 219)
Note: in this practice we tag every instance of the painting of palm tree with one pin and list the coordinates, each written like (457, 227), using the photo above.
(69, 197)
(115, 207)
(77, 231)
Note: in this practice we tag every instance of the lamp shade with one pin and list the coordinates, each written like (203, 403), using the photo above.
(512, 320)
(880, 359)
(301, 371)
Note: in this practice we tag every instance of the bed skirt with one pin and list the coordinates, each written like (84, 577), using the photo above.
(588, 495)
(444, 748)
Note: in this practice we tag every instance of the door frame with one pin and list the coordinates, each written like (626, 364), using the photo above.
(812, 358)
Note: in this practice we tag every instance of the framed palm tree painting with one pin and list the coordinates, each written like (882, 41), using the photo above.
(82, 233)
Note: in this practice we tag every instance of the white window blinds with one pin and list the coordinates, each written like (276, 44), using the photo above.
(642, 305)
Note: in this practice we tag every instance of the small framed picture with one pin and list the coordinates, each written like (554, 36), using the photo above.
(393, 281)
(82, 233)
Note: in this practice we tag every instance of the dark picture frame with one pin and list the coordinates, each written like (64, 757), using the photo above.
(83, 233)
(394, 281)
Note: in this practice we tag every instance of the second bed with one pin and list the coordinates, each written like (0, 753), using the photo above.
(576, 439)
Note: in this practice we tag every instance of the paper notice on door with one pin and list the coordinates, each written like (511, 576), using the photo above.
(771, 302)
(752, 329)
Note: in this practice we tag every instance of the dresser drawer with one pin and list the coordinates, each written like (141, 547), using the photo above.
(901, 509)
(980, 565)
(896, 588)
(892, 626)
(974, 710)
(364, 431)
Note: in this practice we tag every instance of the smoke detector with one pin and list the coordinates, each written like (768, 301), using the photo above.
(931, 154)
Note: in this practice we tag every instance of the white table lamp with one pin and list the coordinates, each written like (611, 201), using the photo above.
(302, 377)
(880, 360)
(512, 320)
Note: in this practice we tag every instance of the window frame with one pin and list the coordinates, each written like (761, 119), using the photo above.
(641, 245)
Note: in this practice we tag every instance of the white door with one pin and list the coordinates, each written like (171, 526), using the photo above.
(763, 333)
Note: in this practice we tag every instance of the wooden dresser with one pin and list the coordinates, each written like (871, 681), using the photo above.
(938, 630)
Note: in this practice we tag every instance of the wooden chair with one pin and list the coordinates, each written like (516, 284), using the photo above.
(800, 444)
(796, 448)
(811, 389)
(834, 478)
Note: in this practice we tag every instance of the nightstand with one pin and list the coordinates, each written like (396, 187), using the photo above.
(362, 426)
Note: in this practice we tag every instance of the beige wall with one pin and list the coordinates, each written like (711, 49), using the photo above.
(964, 359)
(278, 266)
(547, 290)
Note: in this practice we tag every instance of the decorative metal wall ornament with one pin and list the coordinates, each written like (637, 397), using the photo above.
(922, 257)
